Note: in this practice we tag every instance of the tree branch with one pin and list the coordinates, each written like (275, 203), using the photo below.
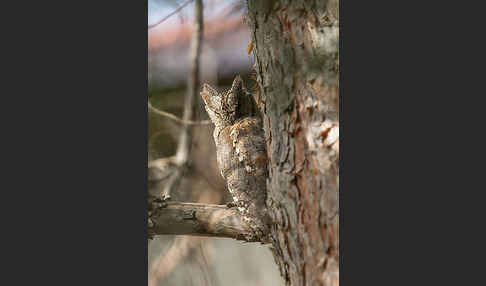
(201, 220)
(168, 16)
(175, 118)
(166, 262)
(190, 102)
(185, 139)
(160, 169)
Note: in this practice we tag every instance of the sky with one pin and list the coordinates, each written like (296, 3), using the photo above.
(158, 9)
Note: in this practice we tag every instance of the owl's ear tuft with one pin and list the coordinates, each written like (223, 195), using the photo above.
(237, 85)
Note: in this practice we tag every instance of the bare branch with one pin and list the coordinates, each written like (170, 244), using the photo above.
(166, 262)
(190, 101)
(160, 169)
(200, 219)
(168, 16)
(185, 139)
(184, 245)
(175, 118)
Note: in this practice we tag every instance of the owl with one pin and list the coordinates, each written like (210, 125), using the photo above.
(240, 147)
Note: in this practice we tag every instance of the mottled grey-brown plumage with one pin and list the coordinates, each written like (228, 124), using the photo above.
(240, 147)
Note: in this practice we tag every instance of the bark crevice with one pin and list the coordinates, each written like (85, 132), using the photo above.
(296, 60)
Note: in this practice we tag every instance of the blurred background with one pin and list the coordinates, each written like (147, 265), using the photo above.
(189, 260)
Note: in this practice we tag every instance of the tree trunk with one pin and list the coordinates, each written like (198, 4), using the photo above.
(296, 48)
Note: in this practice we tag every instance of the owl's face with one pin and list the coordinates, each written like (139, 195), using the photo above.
(221, 107)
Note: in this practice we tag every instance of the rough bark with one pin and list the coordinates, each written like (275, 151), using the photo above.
(296, 60)
(295, 45)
